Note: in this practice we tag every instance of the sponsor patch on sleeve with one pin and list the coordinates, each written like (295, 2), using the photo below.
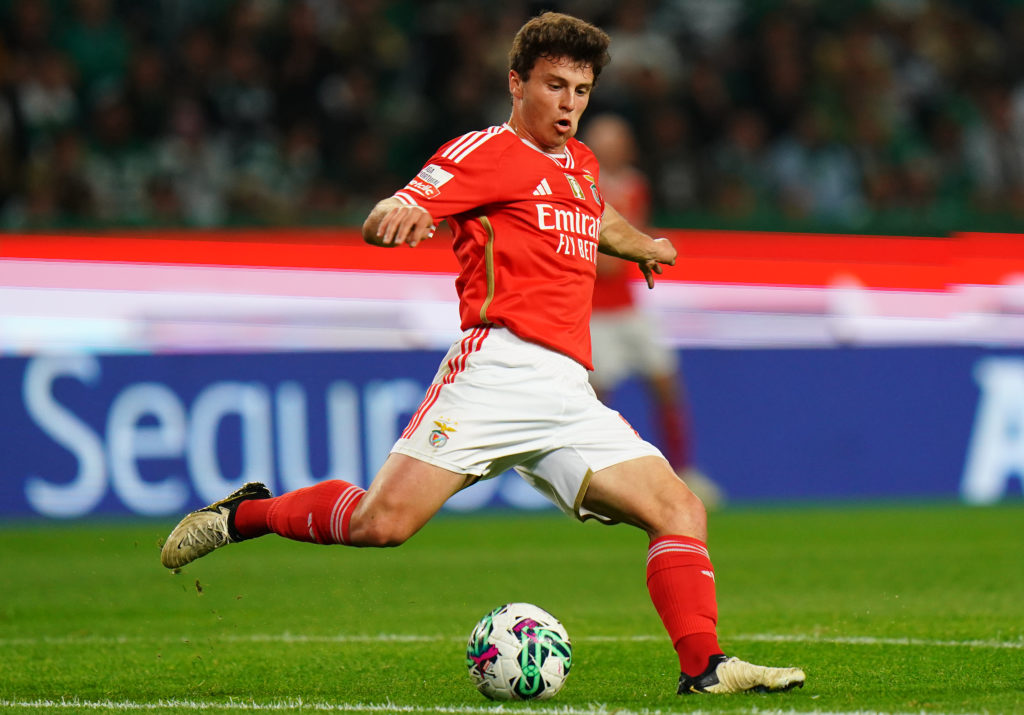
(430, 180)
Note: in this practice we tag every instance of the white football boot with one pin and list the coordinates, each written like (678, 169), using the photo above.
(208, 528)
(732, 675)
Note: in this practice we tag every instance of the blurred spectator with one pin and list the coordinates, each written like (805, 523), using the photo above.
(647, 66)
(708, 103)
(778, 72)
(57, 194)
(196, 165)
(118, 167)
(13, 149)
(673, 162)
(307, 64)
(162, 201)
(195, 61)
(276, 178)
(709, 26)
(47, 98)
(949, 171)
(995, 151)
(98, 45)
(27, 29)
(146, 93)
(813, 174)
(740, 167)
(624, 340)
(243, 97)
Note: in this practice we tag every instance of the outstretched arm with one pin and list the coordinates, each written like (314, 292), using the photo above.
(620, 238)
(392, 223)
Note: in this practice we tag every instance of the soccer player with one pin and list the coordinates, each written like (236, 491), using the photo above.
(528, 219)
(624, 343)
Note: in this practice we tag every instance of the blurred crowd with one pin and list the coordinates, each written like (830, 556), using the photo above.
(221, 112)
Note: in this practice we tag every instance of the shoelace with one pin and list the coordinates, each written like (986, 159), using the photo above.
(212, 533)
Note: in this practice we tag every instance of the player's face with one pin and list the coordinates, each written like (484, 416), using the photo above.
(546, 108)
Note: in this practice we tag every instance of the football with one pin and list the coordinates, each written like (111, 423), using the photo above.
(519, 652)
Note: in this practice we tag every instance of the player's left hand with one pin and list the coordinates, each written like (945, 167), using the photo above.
(664, 253)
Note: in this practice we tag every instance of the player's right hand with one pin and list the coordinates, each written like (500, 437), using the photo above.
(405, 224)
(664, 253)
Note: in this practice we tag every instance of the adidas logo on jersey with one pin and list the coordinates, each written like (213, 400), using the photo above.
(542, 188)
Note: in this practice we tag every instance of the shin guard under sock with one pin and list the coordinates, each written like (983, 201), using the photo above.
(318, 514)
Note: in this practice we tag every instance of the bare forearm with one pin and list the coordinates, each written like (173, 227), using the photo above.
(621, 239)
(631, 245)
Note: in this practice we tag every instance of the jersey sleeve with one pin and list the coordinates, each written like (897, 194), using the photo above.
(460, 177)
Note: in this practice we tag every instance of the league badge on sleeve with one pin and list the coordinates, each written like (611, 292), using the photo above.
(430, 180)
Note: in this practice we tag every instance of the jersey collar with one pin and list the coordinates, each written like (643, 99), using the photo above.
(564, 160)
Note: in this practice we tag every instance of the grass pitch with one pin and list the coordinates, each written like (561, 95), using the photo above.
(889, 609)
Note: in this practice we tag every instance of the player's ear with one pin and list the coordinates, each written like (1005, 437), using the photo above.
(515, 84)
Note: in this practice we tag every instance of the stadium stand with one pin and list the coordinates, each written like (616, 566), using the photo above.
(871, 116)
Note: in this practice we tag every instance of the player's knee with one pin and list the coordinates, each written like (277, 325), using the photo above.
(380, 533)
(682, 513)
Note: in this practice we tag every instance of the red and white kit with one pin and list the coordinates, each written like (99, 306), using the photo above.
(499, 402)
(513, 391)
(525, 227)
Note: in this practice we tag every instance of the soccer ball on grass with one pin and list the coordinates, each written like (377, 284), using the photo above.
(519, 652)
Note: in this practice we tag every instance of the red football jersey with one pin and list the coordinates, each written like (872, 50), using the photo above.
(526, 227)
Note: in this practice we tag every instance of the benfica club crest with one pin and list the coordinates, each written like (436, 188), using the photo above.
(439, 437)
(593, 187)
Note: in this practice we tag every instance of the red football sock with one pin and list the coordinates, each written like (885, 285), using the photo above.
(681, 581)
(251, 518)
(318, 514)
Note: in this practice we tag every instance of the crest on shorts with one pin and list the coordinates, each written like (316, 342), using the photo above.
(439, 437)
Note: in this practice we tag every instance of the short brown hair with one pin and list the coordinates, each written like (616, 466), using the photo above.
(553, 35)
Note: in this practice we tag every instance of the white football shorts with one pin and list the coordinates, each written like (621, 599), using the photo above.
(625, 344)
(499, 402)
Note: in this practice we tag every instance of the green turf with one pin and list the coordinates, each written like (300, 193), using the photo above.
(892, 609)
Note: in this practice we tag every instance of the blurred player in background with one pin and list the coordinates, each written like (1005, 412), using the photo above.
(527, 220)
(623, 338)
